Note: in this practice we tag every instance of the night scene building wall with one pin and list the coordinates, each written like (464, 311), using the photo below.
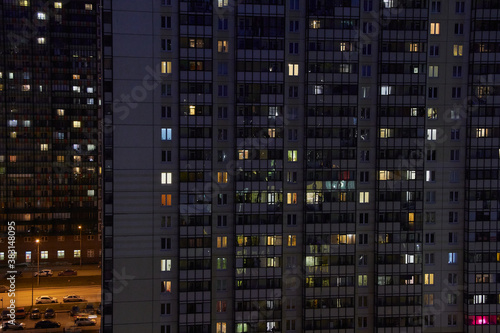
(301, 166)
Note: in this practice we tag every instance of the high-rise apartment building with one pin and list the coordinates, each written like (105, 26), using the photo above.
(301, 166)
(49, 135)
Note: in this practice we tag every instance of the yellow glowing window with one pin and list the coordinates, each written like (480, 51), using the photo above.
(57, 4)
(411, 217)
(44, 147)
(482, 132)
(77, 124)
(435, 28)
(271, 132)
(458, 50)
(222, 3)
(292, 156)
(221, 327)
(291, 198)
(166, 67)
(292, 240)
(192, 110)
(221, 242)
(429, 278)
(315, 24)
(413, 47)
(24, 3)
(40, 40)
(60, 112)
(243, 154)
(88, 6)
(166, 286)
(25, 87)
(222, 177)
(76, 77)
(60, 158)
(12, 158)
(222, 46)
(166, 200)
(293, 69)
(364, 197)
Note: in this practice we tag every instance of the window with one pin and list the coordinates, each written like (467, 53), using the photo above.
(40, 40)
(434, 50)
(222, 112)
(292, 240)
(429, 258)
(166, 286)
(291, 219)
(88, 6)
(221, 306)
(428, 299)
(41, 16)
(429, 320)
(222, 177)
(452, 238)
(165, 243)
(221, 199)
(293, 69)
(58, 5)
(221, 242)
(76, 253)
(223, 24)
(431, 134)
(456, 92)
(386, 90)
(366, 49)
(452, 278)
(166, 22)
(166, 134)
(434, 28)
(292, 156)
(294, 26)
(166, 200)
(455, 134)
(433, 71)
(452, 258)
(455, 155)
(293, 48)
(458, 50)
(364, 197)
(165, 310)
(368, 27)
(432, 113)
(222, 221)
(430, 176)
(166, 178)
(429, 238)
(453, 217)
(362, 280)
(459, 28)
(222, 3)
(368, 5)
(221, 263)
(365, 113)
(435, 6)
(291, 198)
(222, 46)
(222, 68)
(314, 24)
(294, 4)
(44, 254)
(366, 71)
(165, 265)
(453, 196)
(293, 91)
(451, 299)
(221, 285)
(433, 92)
(365, 156)
(222, 134)
(429, 278)
(459, 7)
(166, 156)
(452, 320)
(364, 176)
(457, 71)
(166, 67)
(363, 239)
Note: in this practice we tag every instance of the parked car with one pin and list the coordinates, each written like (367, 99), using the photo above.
(45, 300)
(67, 272)
(73, 298)
(47, 324)
(16, 274)
(3, 289)
(35, 314)
(49, 313)
(12, 326)
(44, 272)
(84, 321)
(20, 313)
(74, 311)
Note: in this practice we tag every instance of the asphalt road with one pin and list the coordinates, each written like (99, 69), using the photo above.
(89, 293)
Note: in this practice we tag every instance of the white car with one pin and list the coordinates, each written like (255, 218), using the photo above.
(13, 326)
(45, 300)
(73, 298)
(84, 321)
(44, 272)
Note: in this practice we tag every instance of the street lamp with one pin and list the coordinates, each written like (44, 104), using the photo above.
(80, 227)
(38, 262)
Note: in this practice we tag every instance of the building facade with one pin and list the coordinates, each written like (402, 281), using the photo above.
(301, 166)
(49, 142)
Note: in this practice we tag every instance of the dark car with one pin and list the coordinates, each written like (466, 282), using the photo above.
(13, 326)
(67, 272)
(35, 313)
(20, 313)
(74, 311)
(47, 324)
(49, 313)
(16, 274)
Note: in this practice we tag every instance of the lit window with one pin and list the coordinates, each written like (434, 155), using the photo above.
(344, 46)
(364, 197)
(57, 4)
(386, 90)
(292, 156)
(44, 147)
(222, 263)
(318, 89)
(13, 135)
(25, 87)
(222, 177)
(24, 3)
(166, 178)
(291, 198)
(13, 158)
(2, 255)
(166, 265)
(166, 67)
(166, 134)
(388, 3)
(221, 307)
(90, 90)
(452, 258)
(77, 124)
(362, 280)
(60, 254)
(293, 69)
(222, 3)
(431, 134)
(243, 154)
(166, 286)
(292, 240)
(41, 16)
(482, 132)
(40, 40)
(166, 200)
(432, 113)
(413, 47)
(221, 242)
(222, 46)
(60, 112)
(433, 71)
(429, 278)
(44, 254)
(434, 28)
(315, 24)
(458, 50)
(76, 253)
(221, 327)
(88, 6)
(192, 110)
